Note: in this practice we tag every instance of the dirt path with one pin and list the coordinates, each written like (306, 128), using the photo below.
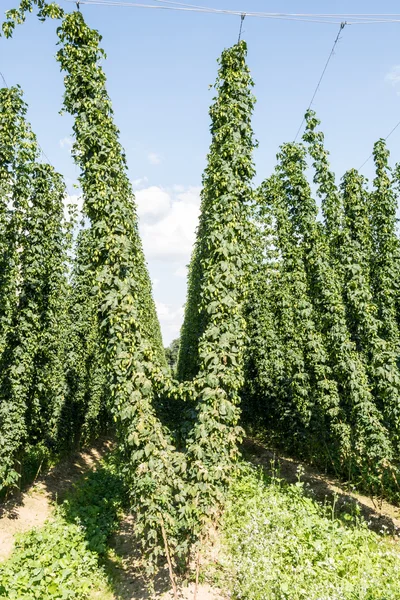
(32, 508)
(379, 514)
(129, 581)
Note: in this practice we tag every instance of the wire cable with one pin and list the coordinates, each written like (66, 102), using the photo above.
(386, 138)
(342, 26)
(3, 78)
(191, 8)
(325, 18)
(356, 18)
(242, 17)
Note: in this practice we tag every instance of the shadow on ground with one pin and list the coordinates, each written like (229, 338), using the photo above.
(125, 567)
(59, 481)
(34, 505)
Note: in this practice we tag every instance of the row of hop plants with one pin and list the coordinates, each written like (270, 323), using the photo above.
(176, 469)
(322, 365)
(41, 416)
(288, 316)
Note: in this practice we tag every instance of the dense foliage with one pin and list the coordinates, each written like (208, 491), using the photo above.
(171, 491)
(293, 319)
(322, 361)
(88, 402)
(49, 350)
(171, 354)
(129, 330)
(280, 543)
(32, 380)
(214, 330)
(115, 356)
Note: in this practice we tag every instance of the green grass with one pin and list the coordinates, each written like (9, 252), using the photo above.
(280, 544)
(63, 559)
(277, 544)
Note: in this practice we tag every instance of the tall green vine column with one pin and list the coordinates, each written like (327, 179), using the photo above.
(219, 272)
(295, 212)
(46, 253)
(327, 190)
(369, 453)
(12, 134)
(227, 176)
(88, 398)
(371, 449)
(32, 389)
(361, 309)
(385, 256)
(396, 185)
(126, 310)
(294, 396)
(262, 395)
(16, 151)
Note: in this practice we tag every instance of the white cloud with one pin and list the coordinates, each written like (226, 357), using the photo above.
(67, 142)
(181, 271)
(393, 77)
(138, 183)
(168, 218)
(168, 222)
(152, 202)
(154, 158)
(190, 196)
(171, 318)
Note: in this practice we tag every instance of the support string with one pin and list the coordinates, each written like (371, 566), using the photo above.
(342, 26)
(242, 17)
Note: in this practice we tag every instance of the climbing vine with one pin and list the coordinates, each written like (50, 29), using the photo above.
(309, 374)
(294, 213)
(218, 286)
(17, 16)
(125, 308)
(384, 261)
(87, 406)
(160, 478)
(32, 377)
(294, 318)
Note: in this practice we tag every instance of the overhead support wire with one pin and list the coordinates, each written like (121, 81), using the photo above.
(342, 26)
(386, 138)
(197, 9)
(322, 18)
(3, 78)
(351, 19)
(242, 17)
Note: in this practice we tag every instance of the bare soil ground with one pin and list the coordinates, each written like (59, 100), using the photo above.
(130, 582)
(31, 508)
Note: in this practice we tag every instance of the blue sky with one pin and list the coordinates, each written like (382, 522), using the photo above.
(159, 67)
